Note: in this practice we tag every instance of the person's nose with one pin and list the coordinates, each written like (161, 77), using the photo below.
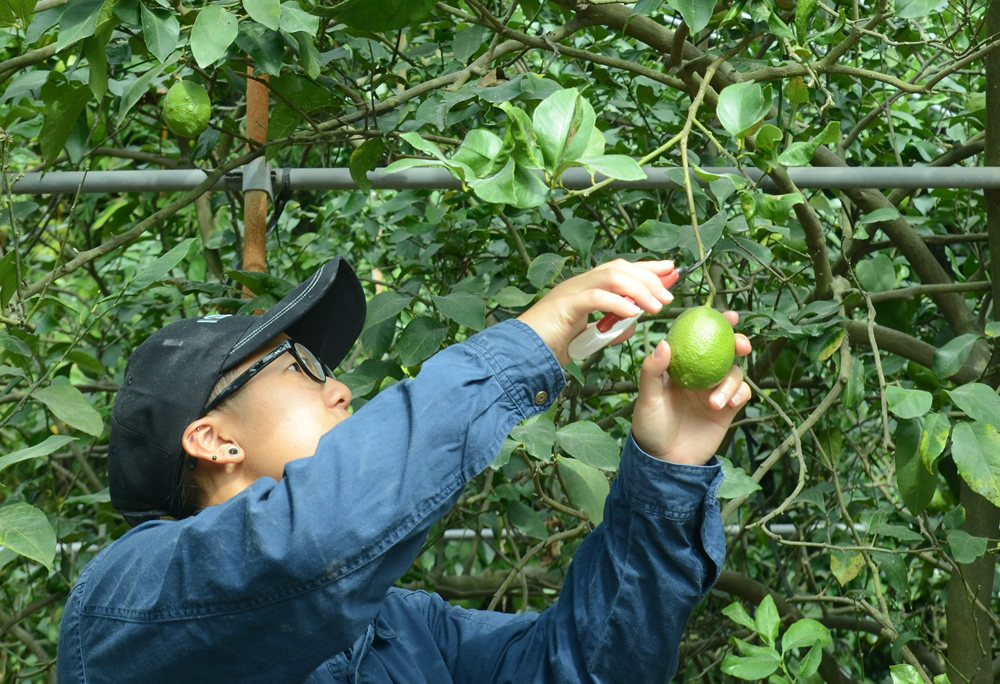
(336, 393)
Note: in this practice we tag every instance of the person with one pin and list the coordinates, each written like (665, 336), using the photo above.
(270, 523)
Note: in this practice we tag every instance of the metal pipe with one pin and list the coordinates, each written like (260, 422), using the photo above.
(816, 178)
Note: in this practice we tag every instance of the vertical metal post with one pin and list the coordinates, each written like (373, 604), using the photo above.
(255, 201)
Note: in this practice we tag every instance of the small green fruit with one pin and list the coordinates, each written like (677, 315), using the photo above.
(702, 348)
(187, 109)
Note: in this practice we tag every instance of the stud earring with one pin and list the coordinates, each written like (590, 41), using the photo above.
(214, 457)
(233, 451)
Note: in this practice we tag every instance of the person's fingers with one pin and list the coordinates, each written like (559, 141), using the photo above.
(653, 368)
(638, 280)
(723, 393)
(732, 317)
(743, 346)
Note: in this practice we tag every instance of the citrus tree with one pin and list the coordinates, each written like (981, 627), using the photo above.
(862, 483)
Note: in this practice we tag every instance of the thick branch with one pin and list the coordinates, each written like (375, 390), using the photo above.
(920, 258)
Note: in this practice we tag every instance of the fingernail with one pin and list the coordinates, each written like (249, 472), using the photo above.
(668, 295)
(718, 400)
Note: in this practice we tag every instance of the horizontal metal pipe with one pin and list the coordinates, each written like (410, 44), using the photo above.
(168, 180)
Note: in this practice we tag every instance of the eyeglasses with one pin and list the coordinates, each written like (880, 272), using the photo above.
(308, 362)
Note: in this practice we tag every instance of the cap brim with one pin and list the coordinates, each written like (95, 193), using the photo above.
(326, 313)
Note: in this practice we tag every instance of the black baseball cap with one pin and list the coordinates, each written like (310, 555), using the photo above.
(170, 375)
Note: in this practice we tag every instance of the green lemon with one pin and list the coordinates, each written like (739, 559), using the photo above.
(186, 109)
(702, 348)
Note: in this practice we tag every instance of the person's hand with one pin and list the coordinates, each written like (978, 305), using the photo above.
(562, 313)
(683, 426)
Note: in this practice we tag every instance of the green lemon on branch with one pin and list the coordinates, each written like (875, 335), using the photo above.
(702, 348)
(187, 109)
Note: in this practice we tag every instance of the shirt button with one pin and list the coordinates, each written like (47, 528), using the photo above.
(541, 397)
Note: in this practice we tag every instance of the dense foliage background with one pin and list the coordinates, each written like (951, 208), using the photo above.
(861, 502)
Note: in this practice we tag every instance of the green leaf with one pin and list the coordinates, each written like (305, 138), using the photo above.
(905, 674)
(158, 269)
(587, 487)
(918, 9)
(758, 666)
(521, 139)
(950, 358)
(617, 166)
(907, 403)
(876, 274)
(385, 15)
(992, 329)
(160, 31)
(978, 401)
(265, 47)
(479, 151)
(804, 9)
(768, 136)
(8, 278)
(696, 13)
(266, 12)
(805, 633)
(878, 216)
(976, 452)
(777, 207)
(62, 110)
(138, 88)
(78, 21)
(68, 404)
(464, 308)
(526, 519)
(512, 185)
(213, 32)
(538, 437)
(736, 483)
(710, 231)
(25, 529)
(296, 20)
(742, 106)
(385, 305)
(578, 234)
(657, 236)
(916, 483)
(545, 268)
(13, 345)
(308, 54)
(421, 338)
(738, 614)
(513, 298)
(364, 159)
(562, 124)
(588, 443)
(966, 548)
(933, 439)
(810, 664)
(845, 565)
(767, 620)
(800, 153)
(51, 444)
(854, 392)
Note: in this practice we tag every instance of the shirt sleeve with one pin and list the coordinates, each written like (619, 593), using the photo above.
(629, 593)
(286, 573)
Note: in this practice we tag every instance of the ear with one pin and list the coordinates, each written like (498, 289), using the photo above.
(206, 439)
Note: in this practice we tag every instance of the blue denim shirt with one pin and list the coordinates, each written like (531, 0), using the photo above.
(291, 581)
